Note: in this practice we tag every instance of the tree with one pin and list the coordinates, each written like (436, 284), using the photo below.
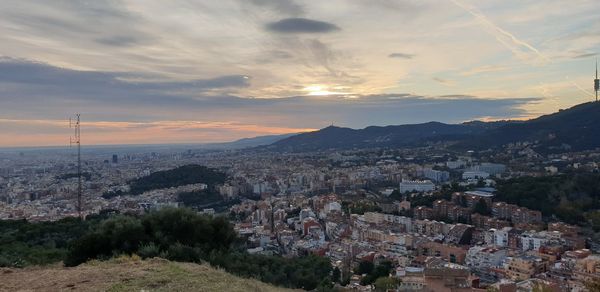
(364, 267)
(381, 270)
(480, 183)
(482, 208)
(396, 195)
(183, 175)
(462, 201)
(336, 275)
(385, 283)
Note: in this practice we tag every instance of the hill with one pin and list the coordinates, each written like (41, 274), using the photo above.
(183, 175)
(247, 142)
(374, 136)
(573, 128)
(128, 274)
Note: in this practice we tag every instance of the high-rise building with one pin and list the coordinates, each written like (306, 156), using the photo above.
(115, 159)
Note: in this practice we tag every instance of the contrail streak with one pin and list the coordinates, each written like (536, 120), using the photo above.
(507, 39)
(589, 93)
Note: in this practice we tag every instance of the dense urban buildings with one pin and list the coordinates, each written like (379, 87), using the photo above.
(442, 230)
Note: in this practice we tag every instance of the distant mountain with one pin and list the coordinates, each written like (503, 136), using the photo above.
(249, 142)
(577, 127)
(389, 136)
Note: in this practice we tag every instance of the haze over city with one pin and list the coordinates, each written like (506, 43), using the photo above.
(211, 71)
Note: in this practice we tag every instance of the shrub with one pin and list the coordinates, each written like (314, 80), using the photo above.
(149, 250)
(182, 253)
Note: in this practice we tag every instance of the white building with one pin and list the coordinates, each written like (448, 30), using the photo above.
(484, 257)
(491, 168)
(498, 237)
(333, 206)
(475, 174)
(436, 175)
(532, 240)
(416, 186)
(456, 164)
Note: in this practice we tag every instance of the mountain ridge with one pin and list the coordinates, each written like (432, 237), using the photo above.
(576, 125)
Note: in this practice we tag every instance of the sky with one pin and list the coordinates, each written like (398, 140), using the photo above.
(183, 71)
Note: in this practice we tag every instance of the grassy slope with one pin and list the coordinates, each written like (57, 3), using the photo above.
(127, 274)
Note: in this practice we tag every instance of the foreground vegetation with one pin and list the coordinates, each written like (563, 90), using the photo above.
(128, 273)
(24, 243)
(176, 234)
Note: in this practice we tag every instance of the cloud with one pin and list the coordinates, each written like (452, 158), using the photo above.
(518, 47)
(90, 18)
(61, 80)
(301, 25)
(445, 82)
(401, 56)
(323, 55)
(484, 69)
(118, 41)
(406, 7)
(290, 7)
(272, 56)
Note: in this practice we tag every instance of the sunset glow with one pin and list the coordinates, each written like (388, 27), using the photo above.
(223, 70)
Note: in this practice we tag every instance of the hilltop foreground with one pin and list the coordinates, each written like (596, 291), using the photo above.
(127, 274)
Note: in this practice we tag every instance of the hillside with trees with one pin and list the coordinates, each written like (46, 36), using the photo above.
(183, 175)
(575, 128)
(25, 243)
(572, 197)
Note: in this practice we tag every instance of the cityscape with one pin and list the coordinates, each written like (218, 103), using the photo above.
(303, 169)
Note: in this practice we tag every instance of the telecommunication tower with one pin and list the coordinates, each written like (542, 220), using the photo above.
(76, 139)
(596, 82)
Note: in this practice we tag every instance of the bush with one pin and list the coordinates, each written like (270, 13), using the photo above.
(149, 250)
(183, 253)
(181, 234)
(25, 243)
(88, 247)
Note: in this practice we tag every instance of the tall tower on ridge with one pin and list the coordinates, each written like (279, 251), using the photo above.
(596, 82)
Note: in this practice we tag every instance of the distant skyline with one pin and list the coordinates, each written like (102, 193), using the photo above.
(145, 72)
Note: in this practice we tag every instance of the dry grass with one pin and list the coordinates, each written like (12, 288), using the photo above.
(127, 274)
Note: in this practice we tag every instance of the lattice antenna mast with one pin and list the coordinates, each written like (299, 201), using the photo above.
(596, 82)
(76, 139)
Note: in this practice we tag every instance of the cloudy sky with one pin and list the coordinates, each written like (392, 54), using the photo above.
(207, 71)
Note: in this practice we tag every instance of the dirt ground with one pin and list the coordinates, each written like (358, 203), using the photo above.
(127, 274)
